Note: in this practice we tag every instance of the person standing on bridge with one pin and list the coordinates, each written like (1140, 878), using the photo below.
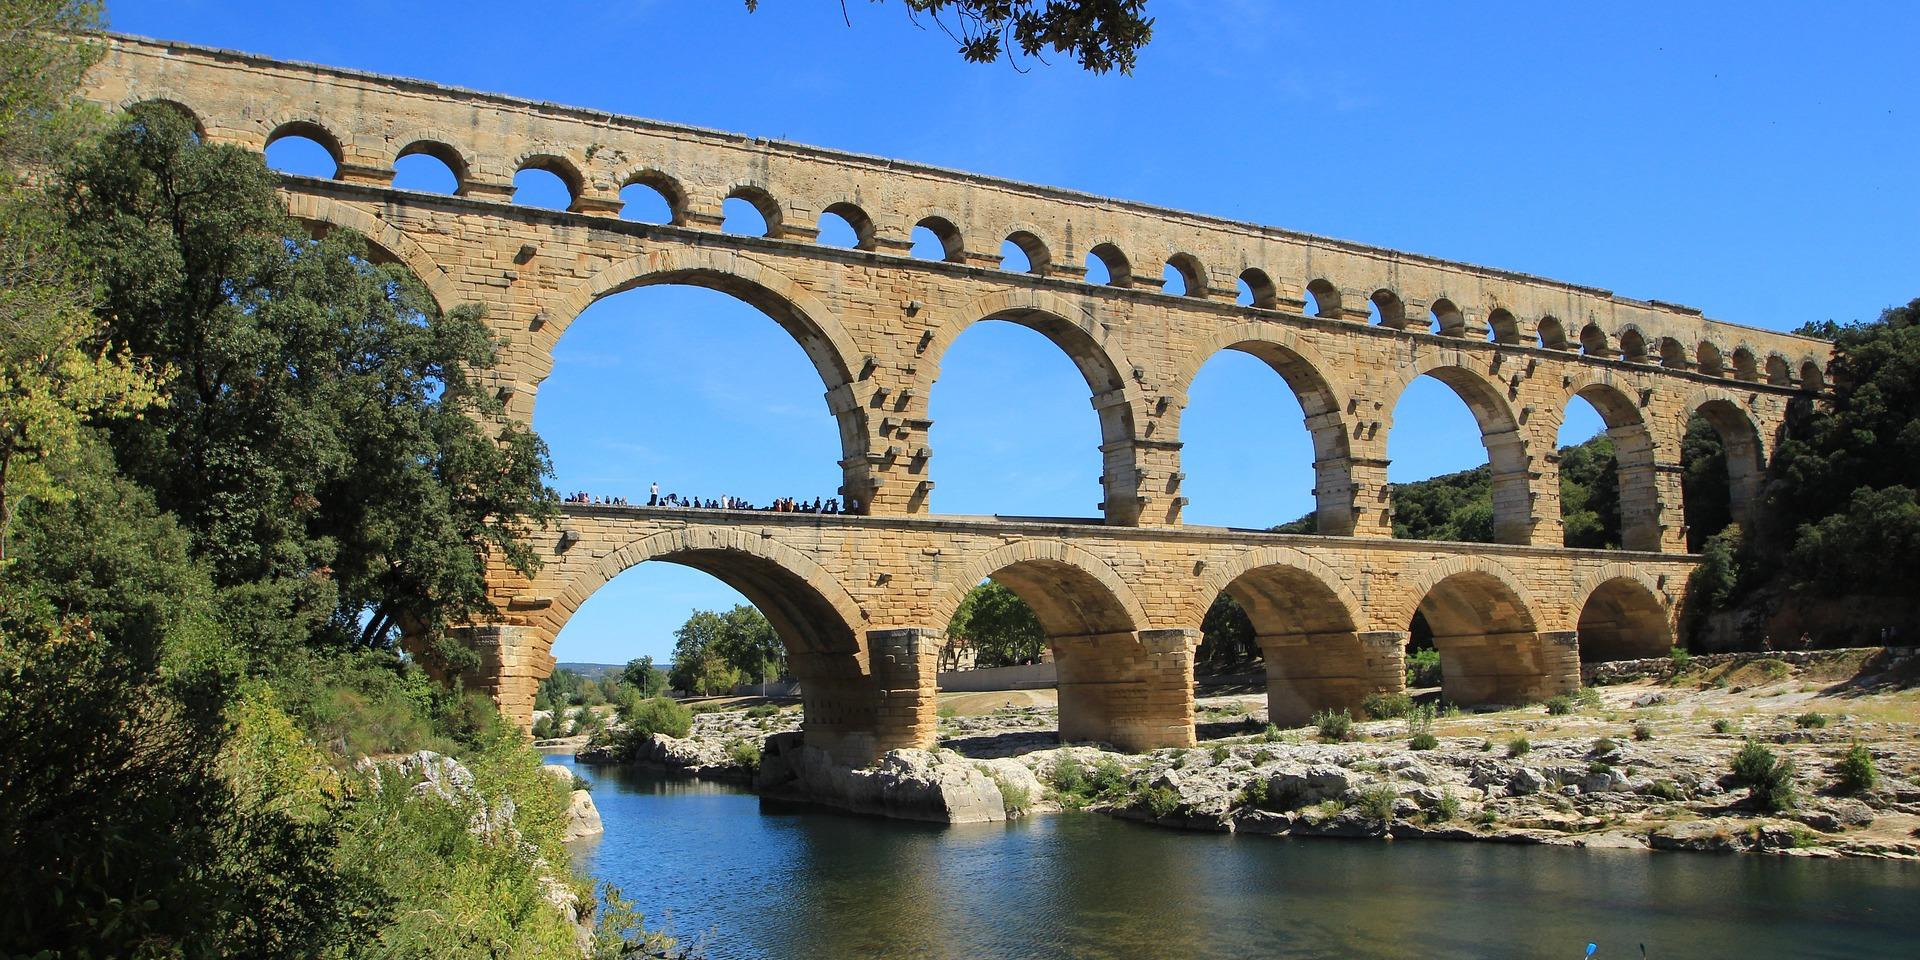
(653, 494)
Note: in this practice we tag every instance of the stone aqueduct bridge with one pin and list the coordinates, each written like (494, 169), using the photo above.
(862, 601)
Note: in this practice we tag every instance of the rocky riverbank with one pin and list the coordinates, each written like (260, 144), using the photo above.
(1644, 764)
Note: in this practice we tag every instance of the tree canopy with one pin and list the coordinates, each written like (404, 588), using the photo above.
(319, 425)
(234, 462)
(1000, 627)
(1099, 35)
(712, 652)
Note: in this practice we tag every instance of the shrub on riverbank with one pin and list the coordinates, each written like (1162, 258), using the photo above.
(1334, 725)
(1769, 780)
(1386, 706)
(1855, 772)
(1074, 784)
(744, 753)
(1377, 802)
(657, 715)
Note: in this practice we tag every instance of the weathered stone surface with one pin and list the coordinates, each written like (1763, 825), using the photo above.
(938, 786)
(1716, 835)
(583, 818)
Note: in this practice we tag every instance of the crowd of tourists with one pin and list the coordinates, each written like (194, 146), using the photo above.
(824, 505)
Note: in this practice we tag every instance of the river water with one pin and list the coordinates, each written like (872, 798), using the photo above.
(773, 881)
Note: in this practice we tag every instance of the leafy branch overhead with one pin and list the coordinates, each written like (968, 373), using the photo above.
(1100, 35)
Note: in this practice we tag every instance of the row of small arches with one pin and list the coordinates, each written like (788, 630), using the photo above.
(652, 196)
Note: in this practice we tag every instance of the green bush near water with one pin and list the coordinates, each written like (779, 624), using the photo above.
(1377, 803)
(744, 753)
(1769, 780)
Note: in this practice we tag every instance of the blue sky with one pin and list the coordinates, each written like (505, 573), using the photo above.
(1755, 160)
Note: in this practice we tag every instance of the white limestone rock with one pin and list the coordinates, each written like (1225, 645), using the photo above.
(583, 818)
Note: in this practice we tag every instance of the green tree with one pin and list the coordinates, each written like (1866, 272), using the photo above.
(121, 833)
(1454, 506)
(1871, 549)
(54, 380)
(1708, 501)
(1715, 582)
(643, 676)
(1590, 494)
(748, 644)
(322, 429)
(1867, 436)
(38, 117)
(1100, 35)
(561, 688)
(1839, 520)
(699, 667)
(1001, 627)
(1226, 635)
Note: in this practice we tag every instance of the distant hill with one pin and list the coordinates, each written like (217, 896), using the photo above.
(592, 671)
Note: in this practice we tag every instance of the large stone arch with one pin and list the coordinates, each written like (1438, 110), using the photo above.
(1307, 625)
(1322, 404)
(1117, 683)
(804, 317)
(384, 237)
(1217, 577)
(1621, 613)
(823, 616)
(1508, 455)
(1119, 611)
(1487, 629)
(1745, 444)
(821, 625)
(1072, 327)
(1430, 576)
(1636, 454)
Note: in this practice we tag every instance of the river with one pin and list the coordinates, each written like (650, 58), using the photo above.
(772, 881)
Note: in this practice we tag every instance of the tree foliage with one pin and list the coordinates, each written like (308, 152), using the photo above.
(1100, 35)
(712, 652)
(1868, 436)
(1839, 519)
(1871, 549)
(38, 118)
(1454, 506)
(1590, 494)
(642, 675)
(320, 433)
(1226, 635)
(55, 379)
(1704, 489)
(179, 723)
(1000, 627)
